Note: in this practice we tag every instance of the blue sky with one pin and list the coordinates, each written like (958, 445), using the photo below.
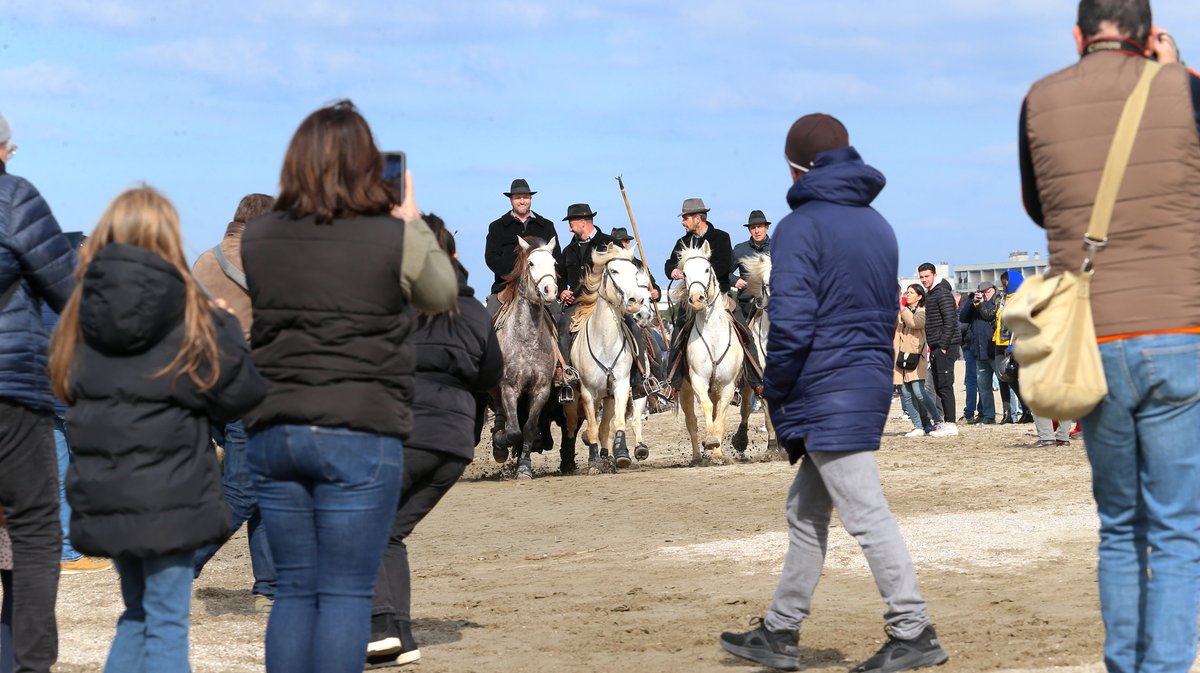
(683, 98)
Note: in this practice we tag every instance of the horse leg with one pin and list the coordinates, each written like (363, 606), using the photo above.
(504, 439)
(606, 423)
(620, 407)
(530, 432)
(772, 441)
(689, 415)
(593, 430)
(712, 441)
(741, 438)
(570, 429)
(638, 407)
(724, 397)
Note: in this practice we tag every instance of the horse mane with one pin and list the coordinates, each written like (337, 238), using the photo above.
(688, 253)
(512, 281)
(591, 282)
(758, 268)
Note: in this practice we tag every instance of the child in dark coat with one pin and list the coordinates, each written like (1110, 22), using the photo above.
(147, 362)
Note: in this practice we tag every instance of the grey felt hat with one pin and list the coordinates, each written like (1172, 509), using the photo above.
(5, 132)
(693, 206)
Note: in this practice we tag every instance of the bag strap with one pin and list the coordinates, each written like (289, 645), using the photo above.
(1114, 166)
(235, 274)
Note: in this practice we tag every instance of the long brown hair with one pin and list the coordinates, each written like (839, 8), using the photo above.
(145, 218)
(332, 168)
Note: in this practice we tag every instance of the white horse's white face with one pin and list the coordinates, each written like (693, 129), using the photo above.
(622, 286)
(645, 316)
(541, 270)
(700, 281)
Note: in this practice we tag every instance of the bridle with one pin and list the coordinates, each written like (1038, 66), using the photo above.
(535, 282)
(709, 291)
(607, 277)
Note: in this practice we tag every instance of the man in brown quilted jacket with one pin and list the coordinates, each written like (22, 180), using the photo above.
(219, 270)
(1142, 437)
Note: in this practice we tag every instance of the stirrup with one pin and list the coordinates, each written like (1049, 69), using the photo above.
(652, 385)
(566, 394)
(736, 401)
(570, 376)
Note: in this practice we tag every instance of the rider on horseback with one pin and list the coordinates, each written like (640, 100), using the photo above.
(699, 231)
(578, 263)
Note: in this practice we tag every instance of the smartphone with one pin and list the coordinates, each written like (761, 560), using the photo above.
(394, 165)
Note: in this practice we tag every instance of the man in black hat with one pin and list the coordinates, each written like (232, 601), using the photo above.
(699, 231)
(759, 244)
(500, 252)
(577, 259)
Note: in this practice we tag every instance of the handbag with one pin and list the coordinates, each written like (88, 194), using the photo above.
(908, 361)
(1008, 368)
(1062, 375)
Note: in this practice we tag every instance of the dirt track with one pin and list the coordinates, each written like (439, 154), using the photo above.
(640, 571)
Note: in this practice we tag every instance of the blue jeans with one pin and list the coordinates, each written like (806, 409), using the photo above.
(328, 498)
(906, 403)
(972, 383)
(1142, 444)
(152, 633)
(920, 395)
(238, 484)
(64, 508)
(987, 395)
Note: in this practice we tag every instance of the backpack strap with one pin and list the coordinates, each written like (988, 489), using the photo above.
(235, 274)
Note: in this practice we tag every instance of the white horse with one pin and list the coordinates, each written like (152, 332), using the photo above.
(758, 285)
(714, 354)
(645, 320)
(603, 354)
(525, 333)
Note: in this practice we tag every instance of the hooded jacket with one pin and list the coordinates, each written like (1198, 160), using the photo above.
(830, 358)
(143, 479)
(34, 253)
(456, 357)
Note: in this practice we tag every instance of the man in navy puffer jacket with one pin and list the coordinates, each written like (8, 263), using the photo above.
(37, 264)
(828, 385)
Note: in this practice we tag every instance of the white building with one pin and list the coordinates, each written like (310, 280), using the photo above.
(967, 277)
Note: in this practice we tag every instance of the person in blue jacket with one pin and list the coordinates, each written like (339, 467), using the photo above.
(828, 386)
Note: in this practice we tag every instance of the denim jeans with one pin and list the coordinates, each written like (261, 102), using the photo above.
(972, 383)
(906, 403)
(64, 508)
(920, 395)
(1141, 441)
(152, 633)
(987, 390)
(328, 498)
(238, 484)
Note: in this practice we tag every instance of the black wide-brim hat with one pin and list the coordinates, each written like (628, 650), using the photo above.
(757, 218)
(620, 234)
(579, 211)
(519, 187)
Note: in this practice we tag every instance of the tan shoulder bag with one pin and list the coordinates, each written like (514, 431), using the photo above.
(1061, 375)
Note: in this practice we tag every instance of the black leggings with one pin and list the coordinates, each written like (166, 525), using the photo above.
(427, 477)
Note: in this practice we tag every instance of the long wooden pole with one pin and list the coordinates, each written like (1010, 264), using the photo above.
(662, 330)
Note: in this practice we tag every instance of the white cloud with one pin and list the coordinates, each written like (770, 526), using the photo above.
(236, 60)
(40, 79)
(107, 13)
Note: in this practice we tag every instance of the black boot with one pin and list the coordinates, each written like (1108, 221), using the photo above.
(620, 451)
(1026, 417)
(1008, 419)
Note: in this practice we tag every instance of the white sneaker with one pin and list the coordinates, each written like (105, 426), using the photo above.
(916, 432)
(945, 430)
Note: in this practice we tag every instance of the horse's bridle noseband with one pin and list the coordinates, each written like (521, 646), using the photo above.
(552, 276)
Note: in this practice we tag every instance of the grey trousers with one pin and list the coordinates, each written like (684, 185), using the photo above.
(850, 482)
(1046, 431)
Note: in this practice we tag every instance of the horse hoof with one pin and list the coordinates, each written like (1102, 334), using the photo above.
(741, 457)
(623, 462)
(710, 444)
(500, 454)
(594, 468)
(740, 440)
(524, 473)
(641, 452)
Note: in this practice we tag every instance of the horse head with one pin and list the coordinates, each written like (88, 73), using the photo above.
(618, 281)
(758, 279)
(644, 317)
(700, 284)
(539, 280)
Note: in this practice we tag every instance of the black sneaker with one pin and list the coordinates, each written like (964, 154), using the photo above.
(385, 638)
(905, 655)
(777, 649)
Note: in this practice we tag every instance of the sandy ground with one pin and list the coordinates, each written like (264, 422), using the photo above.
(641, 570)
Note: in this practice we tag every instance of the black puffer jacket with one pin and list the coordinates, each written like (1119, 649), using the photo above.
(456, 358)
(143, 479)
(941, 317)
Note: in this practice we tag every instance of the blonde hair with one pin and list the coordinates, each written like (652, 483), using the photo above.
(141, 217)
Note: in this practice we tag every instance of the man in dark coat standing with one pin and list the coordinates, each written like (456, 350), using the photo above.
(37, 263)
(828, 387)
(944, 337)
(500, 251)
